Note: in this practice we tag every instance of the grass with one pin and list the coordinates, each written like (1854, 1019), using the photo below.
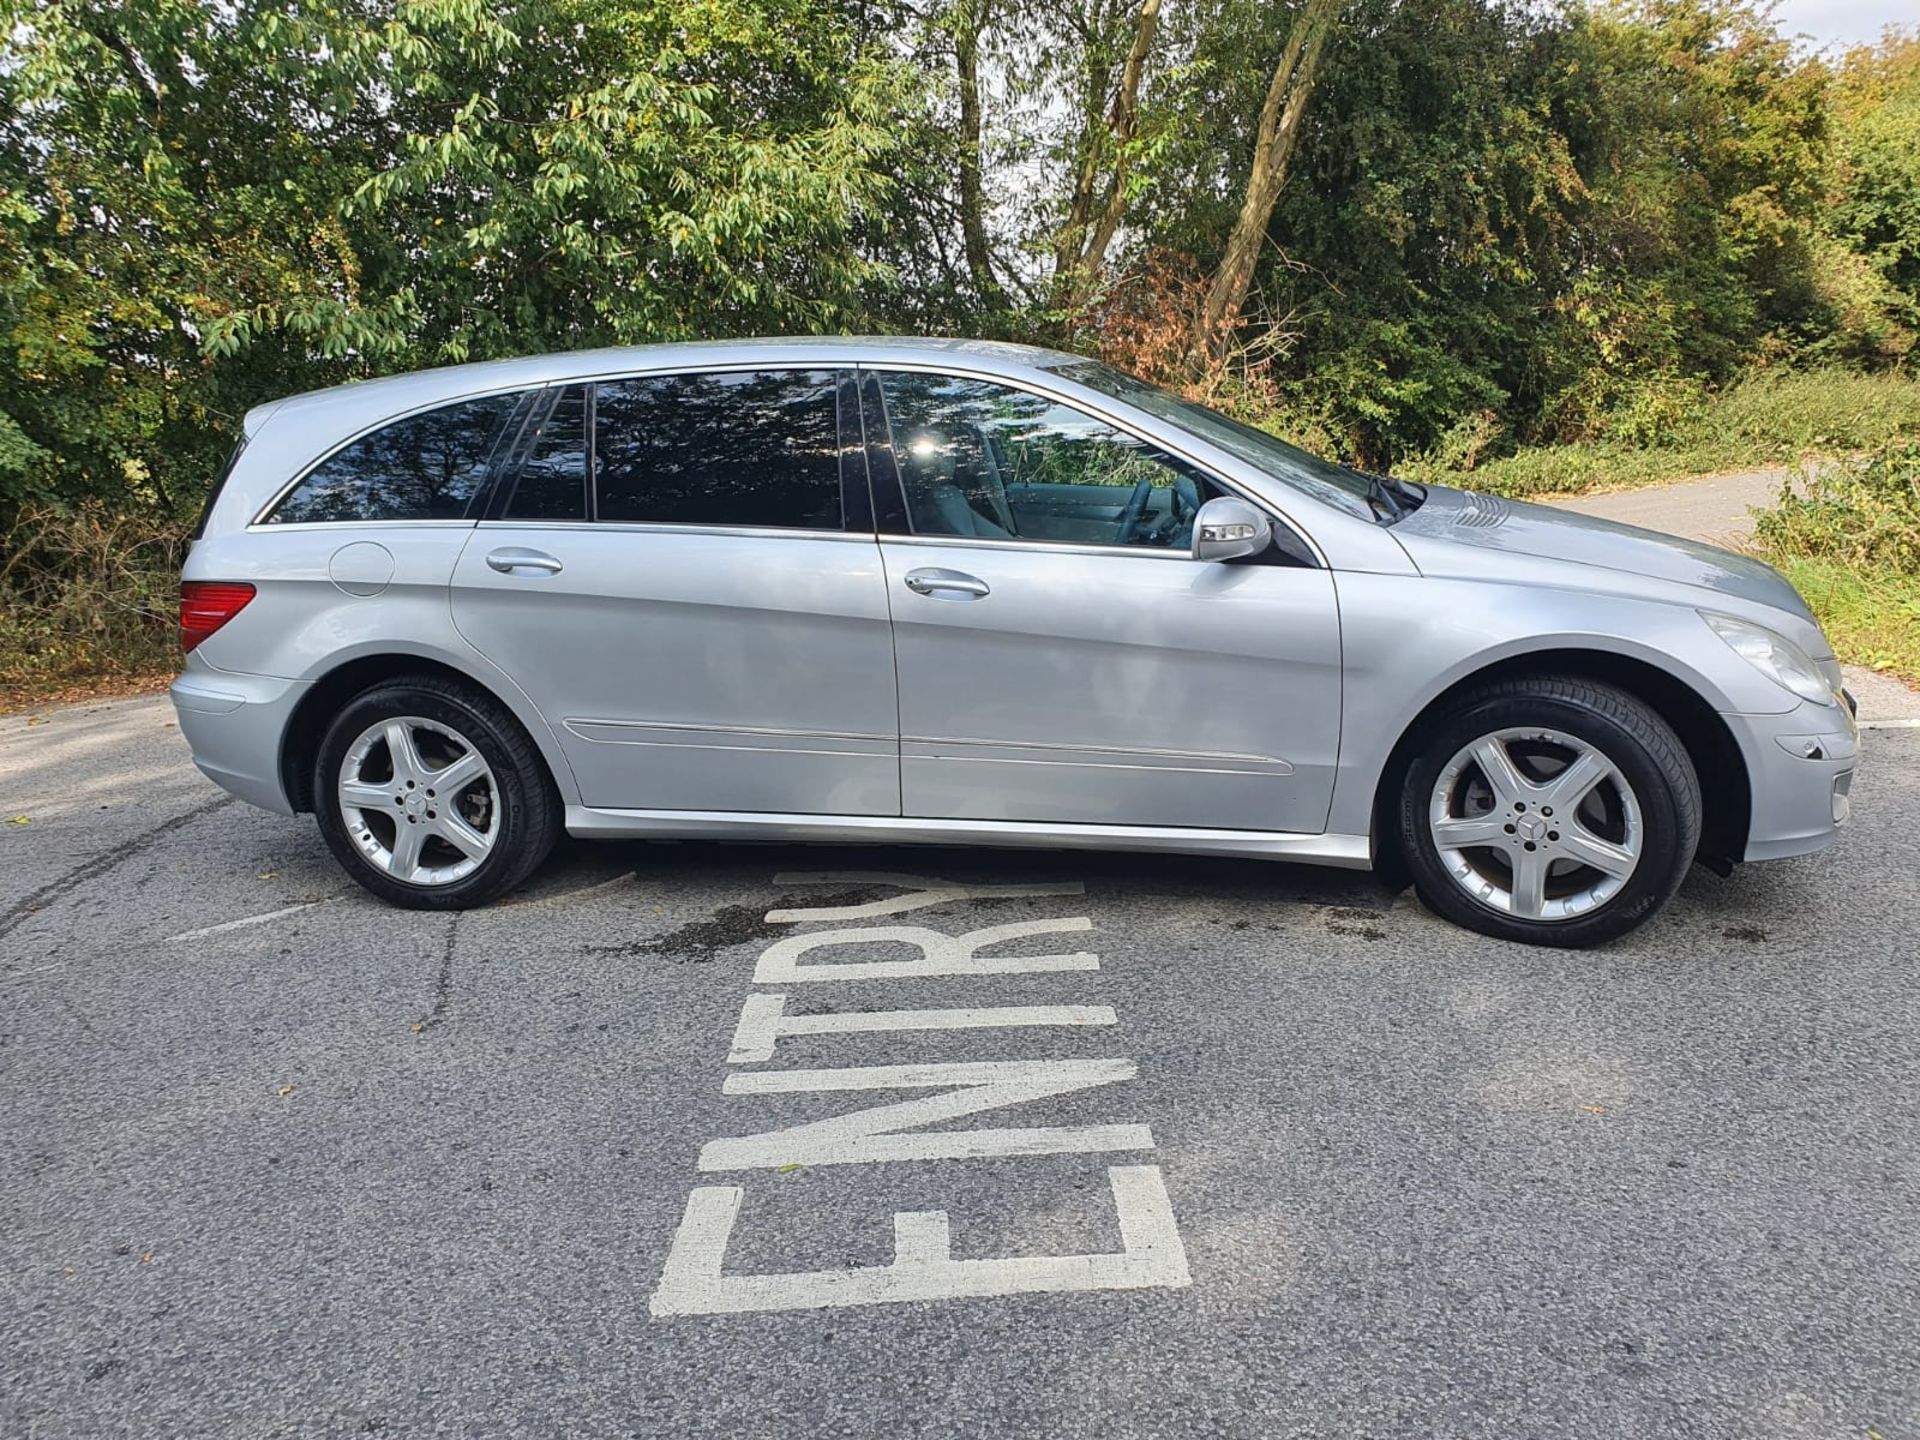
(1872, 619)
(1774, 419)
(1851, 543)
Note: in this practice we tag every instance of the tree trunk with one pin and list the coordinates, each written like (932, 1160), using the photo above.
(969, 19)
(1093, 219)
(1125, 122)
(1279, 132)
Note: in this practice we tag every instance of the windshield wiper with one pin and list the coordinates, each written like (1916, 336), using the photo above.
(1391, 498)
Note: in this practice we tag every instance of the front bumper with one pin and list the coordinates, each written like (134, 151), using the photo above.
(1800, 768)
(233, 724)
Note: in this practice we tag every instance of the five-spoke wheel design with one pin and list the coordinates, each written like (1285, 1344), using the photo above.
(419, 800)
(1536, 822)
(1552, 809)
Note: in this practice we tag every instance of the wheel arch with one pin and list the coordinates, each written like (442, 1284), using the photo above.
(330, 691)
(1710, 745)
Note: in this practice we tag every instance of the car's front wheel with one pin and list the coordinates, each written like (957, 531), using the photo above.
(1551, 810)
(432, 796)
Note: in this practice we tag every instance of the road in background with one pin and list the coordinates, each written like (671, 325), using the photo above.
(276, 1160)
(1718, 509)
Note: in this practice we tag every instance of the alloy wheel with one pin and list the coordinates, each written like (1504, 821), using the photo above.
(1536, 823)
(419, 801)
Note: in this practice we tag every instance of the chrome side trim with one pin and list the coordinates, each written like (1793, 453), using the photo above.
(682, 725)
(270, 527)
(746, 739)
(1105, 765)
(653, 527)
(1044, 547)
(1350, 852)
(1153, 752)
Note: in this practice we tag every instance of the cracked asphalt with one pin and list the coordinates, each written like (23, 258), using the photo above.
(278, 1161)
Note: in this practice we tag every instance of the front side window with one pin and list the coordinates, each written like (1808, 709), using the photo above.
(1335, 485)
(426, 466)
(984, 460)
(749, 448)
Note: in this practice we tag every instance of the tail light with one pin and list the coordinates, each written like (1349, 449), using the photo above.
(206, 605)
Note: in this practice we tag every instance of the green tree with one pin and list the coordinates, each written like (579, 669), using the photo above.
(205, 205)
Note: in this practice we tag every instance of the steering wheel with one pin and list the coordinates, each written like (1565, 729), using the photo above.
(1136, 507)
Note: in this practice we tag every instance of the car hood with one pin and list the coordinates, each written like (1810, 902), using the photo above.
(1461, 531)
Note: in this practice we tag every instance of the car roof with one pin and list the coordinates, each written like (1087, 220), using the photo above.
(368, 401)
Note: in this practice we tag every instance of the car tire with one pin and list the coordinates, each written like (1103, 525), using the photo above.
(1480, 781)
(509, 815)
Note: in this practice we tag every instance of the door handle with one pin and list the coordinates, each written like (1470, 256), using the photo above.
(953, 582)
(514, 558)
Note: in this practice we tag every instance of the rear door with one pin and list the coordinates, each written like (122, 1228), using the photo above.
(686, 585)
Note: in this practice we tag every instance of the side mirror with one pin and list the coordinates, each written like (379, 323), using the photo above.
(1227, 527)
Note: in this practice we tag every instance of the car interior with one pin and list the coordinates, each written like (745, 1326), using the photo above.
(965, 479)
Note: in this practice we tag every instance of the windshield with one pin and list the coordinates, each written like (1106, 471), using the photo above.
(1324, 481)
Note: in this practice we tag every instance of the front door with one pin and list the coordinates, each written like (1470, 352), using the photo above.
(1060, 656)
(672, 579)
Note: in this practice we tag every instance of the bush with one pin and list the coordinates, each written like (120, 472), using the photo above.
(87, 597)
(1863, 512)
(1773, 417)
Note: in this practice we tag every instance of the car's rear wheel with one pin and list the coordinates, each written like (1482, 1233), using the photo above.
(1551, 810)
(432, 796)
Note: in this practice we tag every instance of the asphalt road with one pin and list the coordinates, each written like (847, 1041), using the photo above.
(352, 1171)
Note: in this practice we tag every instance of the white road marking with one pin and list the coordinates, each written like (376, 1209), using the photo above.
(924, 894)
(764, 1022)
(872, 1134)
(940, 954)
(1909, 724)
(1151, 1256)
(243, 923)
(923, 1267)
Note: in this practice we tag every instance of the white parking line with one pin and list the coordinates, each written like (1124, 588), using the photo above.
(1912, 724)
(243, 923)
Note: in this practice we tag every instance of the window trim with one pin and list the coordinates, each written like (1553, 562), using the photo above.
(533, 425)
(892, 498)
(263, 516)
(656, 527)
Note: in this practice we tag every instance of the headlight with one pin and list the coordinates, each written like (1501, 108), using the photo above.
(1774, 656)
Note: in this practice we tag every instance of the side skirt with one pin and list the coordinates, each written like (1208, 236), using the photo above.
(1350, 852)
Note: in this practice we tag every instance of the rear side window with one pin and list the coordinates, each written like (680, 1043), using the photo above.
(749, 448)
(425, 467)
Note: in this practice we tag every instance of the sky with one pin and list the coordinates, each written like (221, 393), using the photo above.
(1841, 23)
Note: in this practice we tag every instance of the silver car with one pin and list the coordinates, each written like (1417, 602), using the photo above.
(946, 591)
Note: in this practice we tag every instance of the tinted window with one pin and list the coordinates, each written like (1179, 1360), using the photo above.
(755, 448)
(425, 467)
(984, 460)
(553, 481)
(1335, 484)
